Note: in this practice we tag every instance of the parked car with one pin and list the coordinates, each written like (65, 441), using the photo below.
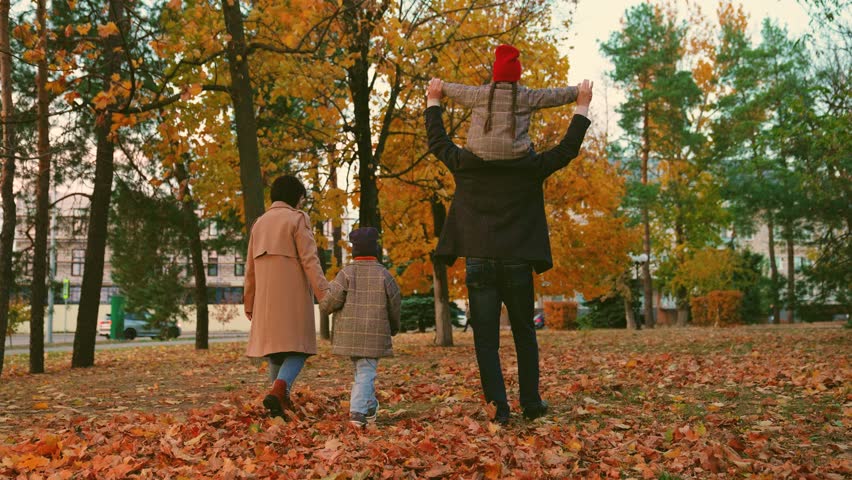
(457, 316)
(538, 318)
(138, 325)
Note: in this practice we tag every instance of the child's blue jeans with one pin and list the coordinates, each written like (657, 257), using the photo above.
(364, 389)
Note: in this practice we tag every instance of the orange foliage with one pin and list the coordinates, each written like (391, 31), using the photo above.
(560, 315)
(718, 308)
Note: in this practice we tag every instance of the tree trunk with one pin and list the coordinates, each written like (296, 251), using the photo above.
(7, 179)
(242, 97)
(791, 274)
(360, 23)
(440, 287)
(39, 289)
(628, 315)
(96, 237)
(324, 318)
(681, 294)
(647, 283)
(196, 252)
(773, 271)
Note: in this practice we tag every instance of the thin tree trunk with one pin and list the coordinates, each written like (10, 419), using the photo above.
(682, 303)
(773, 271)
(628, 314)
(440, 287)
(324, 317)
(39, 289)
(196, 254)
(96, 238)
(7, 179)
(360, 21)
(791, 274)
(242, 97)
(646, 224)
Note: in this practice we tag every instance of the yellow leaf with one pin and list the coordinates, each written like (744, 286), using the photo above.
(102, 100)
(41, 406)
(84, 28)
(106, 30)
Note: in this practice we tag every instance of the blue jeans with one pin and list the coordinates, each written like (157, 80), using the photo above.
(364, 390)
(490, 283)
(285, 366)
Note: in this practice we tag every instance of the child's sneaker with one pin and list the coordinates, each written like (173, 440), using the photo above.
(372, 413)
(358, 419)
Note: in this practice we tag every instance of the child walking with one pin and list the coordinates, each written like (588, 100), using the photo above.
(499, 129)
(367, 303)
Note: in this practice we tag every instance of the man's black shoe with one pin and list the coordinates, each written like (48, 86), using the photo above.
(536, 411)
(502, 415)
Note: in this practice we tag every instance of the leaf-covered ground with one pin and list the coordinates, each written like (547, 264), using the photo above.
(759, 402)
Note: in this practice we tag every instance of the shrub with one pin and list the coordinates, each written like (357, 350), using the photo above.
(718, 308)
(19, 312)
(605, 313)
(418, 313)
(560, 315)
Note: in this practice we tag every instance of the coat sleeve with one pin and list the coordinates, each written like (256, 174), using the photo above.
(545, 163)
(462, 94)
(307, 248)
(249, 285)
(394, 298)
(443, 148)
(336, 297)
(552, 97)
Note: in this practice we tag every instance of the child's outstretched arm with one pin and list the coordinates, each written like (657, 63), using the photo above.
(336, 296)
(394, 298)
(464, 95)
(552, 97)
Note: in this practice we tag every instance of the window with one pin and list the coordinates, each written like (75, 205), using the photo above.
(239, 265)
(78, 259)
(212, 264)
(213, 229)
(107, 293)
(74, 294)
(78, 222)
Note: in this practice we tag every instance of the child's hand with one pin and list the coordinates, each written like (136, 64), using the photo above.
(584, 96)
(435, 89)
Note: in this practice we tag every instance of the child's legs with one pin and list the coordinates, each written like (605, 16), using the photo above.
(364, 390)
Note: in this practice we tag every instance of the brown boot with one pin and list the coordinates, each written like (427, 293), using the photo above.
(277, 400)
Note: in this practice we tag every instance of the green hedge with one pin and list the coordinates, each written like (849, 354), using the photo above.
(418, 313)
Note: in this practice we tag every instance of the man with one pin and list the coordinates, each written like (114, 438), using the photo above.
(497, 222)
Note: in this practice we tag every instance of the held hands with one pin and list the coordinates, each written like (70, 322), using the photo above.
(434, 90)
(584, 96)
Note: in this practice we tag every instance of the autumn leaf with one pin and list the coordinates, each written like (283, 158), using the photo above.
(106, 30)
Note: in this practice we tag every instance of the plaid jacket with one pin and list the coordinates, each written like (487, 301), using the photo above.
(498, 144)
(366, 302)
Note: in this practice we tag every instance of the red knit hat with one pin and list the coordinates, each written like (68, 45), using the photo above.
(507, 67)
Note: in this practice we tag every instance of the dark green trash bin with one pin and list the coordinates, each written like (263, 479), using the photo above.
(116, 315)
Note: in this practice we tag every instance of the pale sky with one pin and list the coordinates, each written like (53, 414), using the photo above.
(594, 20)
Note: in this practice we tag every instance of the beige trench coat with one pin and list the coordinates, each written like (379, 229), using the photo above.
(282, 269)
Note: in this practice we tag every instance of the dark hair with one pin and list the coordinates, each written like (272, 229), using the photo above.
(288, 189)
(487, 127)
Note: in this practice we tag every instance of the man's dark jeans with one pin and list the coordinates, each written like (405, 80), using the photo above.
(490, 283)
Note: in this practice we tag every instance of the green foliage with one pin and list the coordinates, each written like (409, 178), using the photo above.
(756, 288)
(146, 240)
(19, 313)
(418, 313)
(605, 313)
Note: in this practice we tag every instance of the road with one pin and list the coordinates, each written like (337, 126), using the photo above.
(63, 342)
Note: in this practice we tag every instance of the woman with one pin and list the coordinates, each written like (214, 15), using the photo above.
(283, 274)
